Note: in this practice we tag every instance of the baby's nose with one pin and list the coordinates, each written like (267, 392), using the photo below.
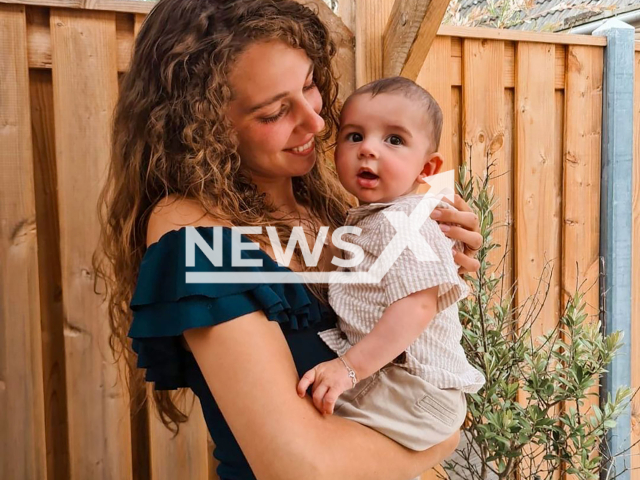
(367, 150)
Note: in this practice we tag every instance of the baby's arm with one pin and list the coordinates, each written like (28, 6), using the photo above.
(402, 322)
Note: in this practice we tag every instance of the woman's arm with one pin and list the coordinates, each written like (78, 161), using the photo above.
(249, 369)
(468, 232)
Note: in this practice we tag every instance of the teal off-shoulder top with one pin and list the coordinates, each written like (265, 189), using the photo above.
(164, 305)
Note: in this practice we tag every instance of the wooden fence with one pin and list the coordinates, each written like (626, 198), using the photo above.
(534, 100)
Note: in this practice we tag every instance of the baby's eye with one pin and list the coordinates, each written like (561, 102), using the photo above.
(354, 137)
(395, 140)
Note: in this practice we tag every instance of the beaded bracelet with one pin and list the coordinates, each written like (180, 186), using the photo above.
(352, 373)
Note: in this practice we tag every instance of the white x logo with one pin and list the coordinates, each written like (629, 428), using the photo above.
(407, 236)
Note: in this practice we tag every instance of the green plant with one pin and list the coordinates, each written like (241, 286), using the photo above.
(532, 418)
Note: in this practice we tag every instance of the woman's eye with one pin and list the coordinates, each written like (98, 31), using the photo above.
(273, 118)
(396, 140)
(311, 86)
(354, 137)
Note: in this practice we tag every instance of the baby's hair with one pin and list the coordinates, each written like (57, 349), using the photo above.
(413, 91)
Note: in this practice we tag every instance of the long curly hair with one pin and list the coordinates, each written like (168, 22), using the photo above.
(171, 137)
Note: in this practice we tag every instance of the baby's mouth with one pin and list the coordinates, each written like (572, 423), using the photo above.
(367, 179)
(367, 175)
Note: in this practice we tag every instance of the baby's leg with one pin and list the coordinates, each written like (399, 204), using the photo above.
(404, 407)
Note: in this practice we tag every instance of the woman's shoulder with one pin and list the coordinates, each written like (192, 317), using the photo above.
(174, 212)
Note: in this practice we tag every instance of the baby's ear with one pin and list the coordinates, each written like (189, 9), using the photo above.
(432, 165)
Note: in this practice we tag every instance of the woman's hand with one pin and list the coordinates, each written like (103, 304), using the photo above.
(330, 380)
(467, 230)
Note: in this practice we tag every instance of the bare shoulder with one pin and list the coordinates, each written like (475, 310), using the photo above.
(173, 212)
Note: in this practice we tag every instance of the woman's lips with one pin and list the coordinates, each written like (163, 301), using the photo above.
(302, 150)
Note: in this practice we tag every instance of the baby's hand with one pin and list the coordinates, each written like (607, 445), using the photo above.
(329, 380)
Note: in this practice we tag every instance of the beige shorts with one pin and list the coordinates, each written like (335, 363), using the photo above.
(404, 407)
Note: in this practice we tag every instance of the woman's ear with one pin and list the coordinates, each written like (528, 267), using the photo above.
(432, 166)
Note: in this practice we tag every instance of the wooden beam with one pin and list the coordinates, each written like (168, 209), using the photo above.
(411, 29)
(521, 36)
(131, 6)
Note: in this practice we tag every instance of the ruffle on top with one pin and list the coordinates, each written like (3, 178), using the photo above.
(164, 305)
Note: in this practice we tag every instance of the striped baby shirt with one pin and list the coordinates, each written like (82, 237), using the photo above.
(436, 355)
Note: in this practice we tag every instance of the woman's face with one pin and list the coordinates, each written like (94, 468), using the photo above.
(275, 110)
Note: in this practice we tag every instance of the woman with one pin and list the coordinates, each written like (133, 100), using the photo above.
(223, 120)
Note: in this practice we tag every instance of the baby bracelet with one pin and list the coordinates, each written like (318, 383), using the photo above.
(352, 373)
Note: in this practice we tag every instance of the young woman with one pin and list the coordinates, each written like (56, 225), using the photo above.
(223, 120)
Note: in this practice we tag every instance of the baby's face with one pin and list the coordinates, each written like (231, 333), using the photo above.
(383, 146)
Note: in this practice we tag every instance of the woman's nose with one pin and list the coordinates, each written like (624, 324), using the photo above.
(311, 120)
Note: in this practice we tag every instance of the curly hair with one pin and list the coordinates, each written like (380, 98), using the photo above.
(171, 137)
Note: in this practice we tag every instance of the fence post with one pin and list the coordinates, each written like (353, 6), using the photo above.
(616, 219)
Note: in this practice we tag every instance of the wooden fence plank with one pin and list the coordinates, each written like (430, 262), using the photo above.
(635, 279)
(581, 191)
(185, 456)
(484, 129)
(125, 25)
(456, 126)
(371, 20)
(509, 157)
(140, 430)
(537, 195)
(434, 77)
(52, 318)
(22, 439)
(538, 179)
(85, 90)
(38, 37)
(560, 67)
(509, 55)
(137, 23)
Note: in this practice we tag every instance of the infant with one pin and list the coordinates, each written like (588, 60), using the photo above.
(401, 369)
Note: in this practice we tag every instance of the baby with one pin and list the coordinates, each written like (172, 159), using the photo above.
(401, 369)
